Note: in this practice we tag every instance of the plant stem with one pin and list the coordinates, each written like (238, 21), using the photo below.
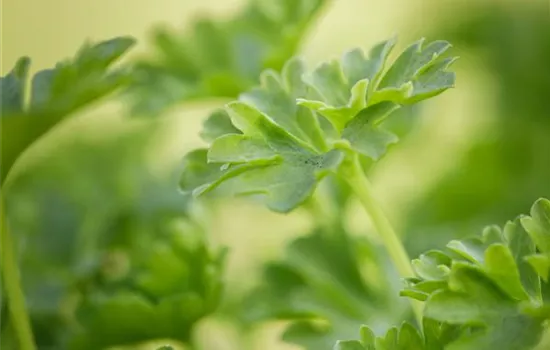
(354, 174)
(320, 210)
(12, 286)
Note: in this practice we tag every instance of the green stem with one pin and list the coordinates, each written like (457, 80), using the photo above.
(354, 174)
(12, 286)
(319, 208)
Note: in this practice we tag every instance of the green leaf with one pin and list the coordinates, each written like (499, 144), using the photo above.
(265, 160)
(294, 129)
(240, 149)
(541, 265)
(12, 88)
(220, 58)
(276, 98)
(493, 291)
(538, 224)
(472, 297)
(503, 269)
(409, 338)
(421, 67)
(199, 176)
(58, 92)
(477, 302)
(432, 265)
(406, 337)
(76, 82)
(471, 249)
(522, 247)
(344, 88)
(364, 134)
(217, 125)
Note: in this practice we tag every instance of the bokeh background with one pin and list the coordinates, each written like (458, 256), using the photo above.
(479, 154)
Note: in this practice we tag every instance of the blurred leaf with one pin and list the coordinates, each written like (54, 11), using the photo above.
(56, 93)
(221, 58)
(12, 88)
(325, 286)
(174, 281)
(91, 190)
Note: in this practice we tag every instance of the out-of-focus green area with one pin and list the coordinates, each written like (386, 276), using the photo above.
(477, 155)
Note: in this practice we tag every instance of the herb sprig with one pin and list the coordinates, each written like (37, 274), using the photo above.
(485, 292)
(296, 128)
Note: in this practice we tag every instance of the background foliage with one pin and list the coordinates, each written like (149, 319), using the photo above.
(103, 231)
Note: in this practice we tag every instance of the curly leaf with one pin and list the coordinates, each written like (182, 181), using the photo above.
(265, 159)
(494, 287)
(282, 141)
(406, 337)
(422, 69)
(344, 88)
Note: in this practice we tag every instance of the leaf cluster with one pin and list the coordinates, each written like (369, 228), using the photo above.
(487, 292)
(282, 137)
(157, 288)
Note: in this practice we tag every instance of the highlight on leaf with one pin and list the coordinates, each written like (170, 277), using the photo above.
(283, 136)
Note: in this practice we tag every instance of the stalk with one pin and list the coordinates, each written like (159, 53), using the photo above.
(12, 287)
(354, 174)
(320, 210)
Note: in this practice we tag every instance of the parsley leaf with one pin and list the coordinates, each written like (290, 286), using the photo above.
(436, 336)
(487, 292)
(56, 93)
(355, 93)
(295, 128)
(221, 58)
(494, 284)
